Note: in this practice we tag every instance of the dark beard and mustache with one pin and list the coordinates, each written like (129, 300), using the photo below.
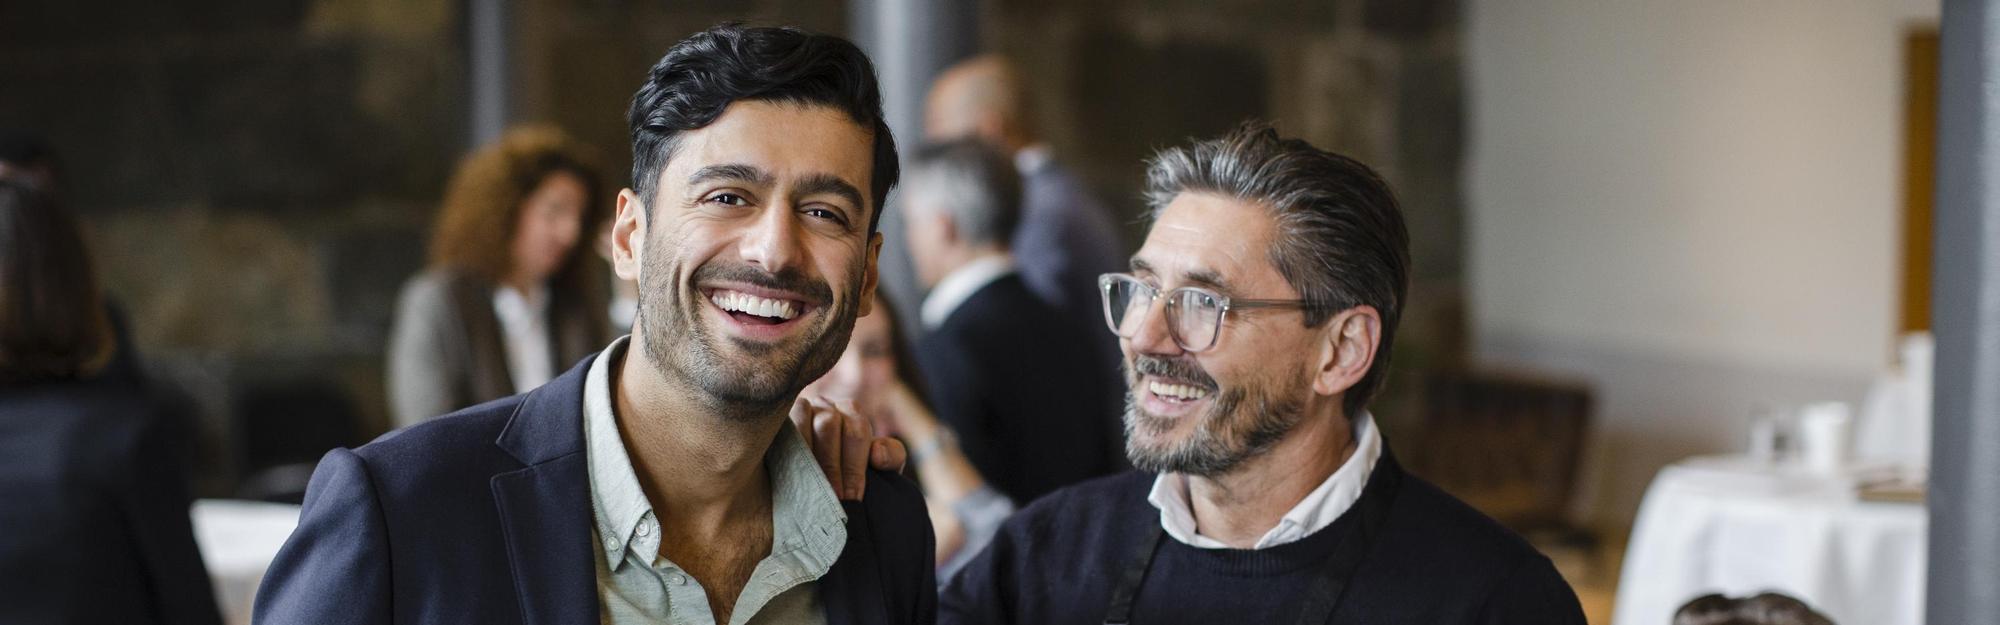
(683, 348)
(1241, 423)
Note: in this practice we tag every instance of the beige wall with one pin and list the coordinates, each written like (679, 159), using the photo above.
(1694, 204)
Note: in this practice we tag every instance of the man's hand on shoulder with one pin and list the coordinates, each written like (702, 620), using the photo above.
(844, 442)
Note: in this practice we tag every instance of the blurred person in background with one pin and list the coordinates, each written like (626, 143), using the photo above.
(511, 297)
(94, 524)
(29, 159)
(1768, 608)
(1066, 238)
(877, 376)
(1012, 376)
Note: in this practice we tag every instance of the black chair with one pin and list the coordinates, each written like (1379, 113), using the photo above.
(282, 429)
(1509, 444)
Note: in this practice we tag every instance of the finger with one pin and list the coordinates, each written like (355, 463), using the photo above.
(888, 454)
(854, 452)
(826, 446)
(863, 419)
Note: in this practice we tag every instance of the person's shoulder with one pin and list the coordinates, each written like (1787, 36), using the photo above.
(442, 447)
(1003, 309)
(1424, 514)
(434, 286)
(1461, 551)
(1102, 504)
(892, 498)
(105, 415)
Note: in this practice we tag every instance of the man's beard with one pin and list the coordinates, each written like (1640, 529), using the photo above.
(1242, 422)
(684, 348)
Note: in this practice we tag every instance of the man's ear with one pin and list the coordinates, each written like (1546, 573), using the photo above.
(947, 227)
(1347, 349)
(869, 275)
(628, 235)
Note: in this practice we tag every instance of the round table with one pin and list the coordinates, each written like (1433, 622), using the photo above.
(238, 539)
(1739, 526)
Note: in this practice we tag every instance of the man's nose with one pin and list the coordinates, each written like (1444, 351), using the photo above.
(772, 242)
(1154, 335)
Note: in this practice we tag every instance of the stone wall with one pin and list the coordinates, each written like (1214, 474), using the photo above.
(256, 177)
(259, 176)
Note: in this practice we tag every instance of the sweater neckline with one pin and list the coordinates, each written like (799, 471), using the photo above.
(1273, 561)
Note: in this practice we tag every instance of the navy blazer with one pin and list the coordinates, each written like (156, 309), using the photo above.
(94, 521)
(484, 516)
(1033, 410)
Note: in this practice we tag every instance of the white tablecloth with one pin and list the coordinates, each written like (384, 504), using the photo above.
(1738, 527)
(238, 540)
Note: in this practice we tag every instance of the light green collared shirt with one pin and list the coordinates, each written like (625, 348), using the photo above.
(635, 584)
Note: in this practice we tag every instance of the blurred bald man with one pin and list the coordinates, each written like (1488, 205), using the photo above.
(1065, 238)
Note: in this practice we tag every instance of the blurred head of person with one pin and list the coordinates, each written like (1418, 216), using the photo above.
(53, 324)
(982, 97)
(876, 359)
(29, 159)
(760, 162)
(519, 211)
(1216, 378)
(961, 201)
(1764, 609)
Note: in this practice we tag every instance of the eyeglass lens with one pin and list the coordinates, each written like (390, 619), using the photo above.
(1192, 315)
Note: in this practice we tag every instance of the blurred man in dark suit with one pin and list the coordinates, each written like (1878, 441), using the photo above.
(1010, 374)
(1066, 237)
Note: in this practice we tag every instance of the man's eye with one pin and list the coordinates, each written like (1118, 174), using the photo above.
(821, 213)
(729, 199)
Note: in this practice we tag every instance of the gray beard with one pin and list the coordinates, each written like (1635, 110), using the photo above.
(1242, 424)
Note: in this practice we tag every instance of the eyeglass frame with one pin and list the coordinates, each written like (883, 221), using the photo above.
(1226, 304)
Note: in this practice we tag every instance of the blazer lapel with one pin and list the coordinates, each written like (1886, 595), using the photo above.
(544, 508)
(852, 590)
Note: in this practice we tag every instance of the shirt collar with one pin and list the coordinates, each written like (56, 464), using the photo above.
(960, 285)
(1319, 509)
(808, 528)
(512, 304)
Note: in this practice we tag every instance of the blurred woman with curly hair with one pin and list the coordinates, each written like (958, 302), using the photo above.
(511, 296)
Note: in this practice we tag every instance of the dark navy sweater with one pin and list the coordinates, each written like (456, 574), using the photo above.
(1434, 560)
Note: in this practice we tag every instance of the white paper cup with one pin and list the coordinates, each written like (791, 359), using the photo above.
(1826, 436)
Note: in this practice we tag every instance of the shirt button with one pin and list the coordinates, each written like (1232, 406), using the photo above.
(645, 529)
(677, 579)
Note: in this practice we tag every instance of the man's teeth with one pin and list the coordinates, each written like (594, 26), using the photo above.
(1176, 391)
(752, 305)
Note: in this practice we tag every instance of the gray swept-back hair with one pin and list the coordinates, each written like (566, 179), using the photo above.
(1340, 242)
(973, 183)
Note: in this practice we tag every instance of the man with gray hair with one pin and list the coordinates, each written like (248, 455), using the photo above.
(1005, 370)
(1255, 325)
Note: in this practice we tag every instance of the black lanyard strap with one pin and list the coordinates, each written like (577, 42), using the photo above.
(1324, 594)
(1134, 576)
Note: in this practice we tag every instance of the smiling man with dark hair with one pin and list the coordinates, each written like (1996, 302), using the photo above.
(1256, 324)
(661, 480)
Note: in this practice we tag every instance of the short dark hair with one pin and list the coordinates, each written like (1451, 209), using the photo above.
(1768, 608)
(705, 73)
(53, 323)
(1341, 240)
(979, 186)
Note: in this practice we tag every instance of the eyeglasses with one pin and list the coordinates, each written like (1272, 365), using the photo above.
(1194, 315)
